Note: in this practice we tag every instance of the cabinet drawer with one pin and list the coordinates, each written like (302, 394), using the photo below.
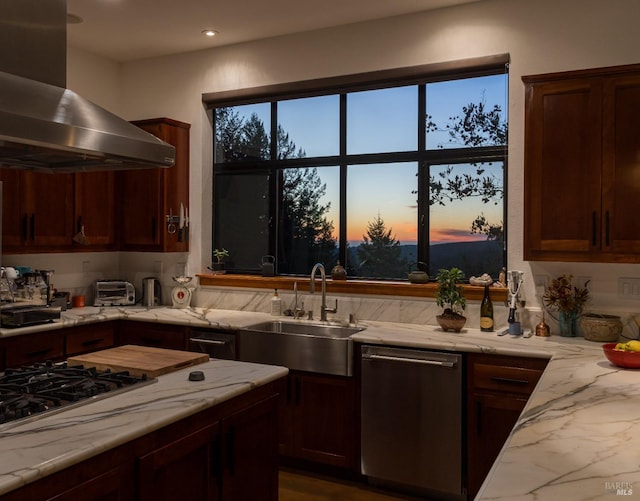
(32, 348)
(173, 337)
(505, 378)
(90, 338)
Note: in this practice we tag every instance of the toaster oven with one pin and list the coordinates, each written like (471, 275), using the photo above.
(114, 293)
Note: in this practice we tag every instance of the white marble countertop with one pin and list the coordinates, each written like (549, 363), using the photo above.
(577, 438)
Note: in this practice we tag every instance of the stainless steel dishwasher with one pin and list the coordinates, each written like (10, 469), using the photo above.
(216, 343)
(412, 419)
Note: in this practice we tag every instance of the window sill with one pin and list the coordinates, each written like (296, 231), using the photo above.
(356, 287)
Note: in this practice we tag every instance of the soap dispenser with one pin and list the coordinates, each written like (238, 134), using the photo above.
(276, 304)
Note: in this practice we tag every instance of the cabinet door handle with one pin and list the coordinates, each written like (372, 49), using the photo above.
(25, 223)
(91, 342)
(606, 222)
(509, 380)
(288, 391)
(39, 353)
(593, 228)
(33, 227)
(231, 451)
(297, 395)
(79, 224)
(216, 458)
(153, 228)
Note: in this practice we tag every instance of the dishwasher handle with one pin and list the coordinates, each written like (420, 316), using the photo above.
(440, 363)
(207, 341)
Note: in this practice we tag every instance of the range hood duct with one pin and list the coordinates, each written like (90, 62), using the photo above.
(43, 125)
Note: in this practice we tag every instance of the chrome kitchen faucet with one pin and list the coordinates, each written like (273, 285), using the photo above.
(323, 307)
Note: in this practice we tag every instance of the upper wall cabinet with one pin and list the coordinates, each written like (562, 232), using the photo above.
(37, 211)
(582, 166)
(148, 197)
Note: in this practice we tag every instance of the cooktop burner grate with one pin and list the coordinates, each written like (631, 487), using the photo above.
(37, 390)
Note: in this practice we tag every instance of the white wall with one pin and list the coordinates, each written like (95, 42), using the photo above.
(541, 36)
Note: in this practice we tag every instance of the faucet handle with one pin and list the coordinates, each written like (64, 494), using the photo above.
(332, 310)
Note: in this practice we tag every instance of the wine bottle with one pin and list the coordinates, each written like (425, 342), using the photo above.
(486, 312)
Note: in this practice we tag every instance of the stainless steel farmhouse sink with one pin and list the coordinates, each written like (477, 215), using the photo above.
(314, 347)
(307, 329)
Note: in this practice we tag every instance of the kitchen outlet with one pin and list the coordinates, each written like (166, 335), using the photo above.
(541, 281)
(157, 268)
(629, 287)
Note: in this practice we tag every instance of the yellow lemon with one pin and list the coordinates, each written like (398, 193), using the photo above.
(633, 345)
(620, 347)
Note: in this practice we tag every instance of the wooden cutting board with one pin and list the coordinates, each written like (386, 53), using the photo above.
(139, 360)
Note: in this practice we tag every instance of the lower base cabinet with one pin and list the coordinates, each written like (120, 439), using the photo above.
(317, 419)
(498, 390)
(227, 452)
(153, 334)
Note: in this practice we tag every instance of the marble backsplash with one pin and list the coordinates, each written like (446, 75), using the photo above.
(396, 309)
(406, 310)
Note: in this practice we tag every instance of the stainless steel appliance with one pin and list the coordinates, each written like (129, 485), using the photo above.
(151, 292)
(216, 344)
(22, 315)
(412, 419)
(45, 126)
(33, 390)
(114, 293)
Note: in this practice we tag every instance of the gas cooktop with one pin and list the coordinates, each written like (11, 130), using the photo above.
(33, 391)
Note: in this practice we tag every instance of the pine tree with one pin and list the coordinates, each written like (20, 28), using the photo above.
(380, 254)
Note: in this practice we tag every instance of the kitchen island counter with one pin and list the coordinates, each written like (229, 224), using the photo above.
(575, 440)
(35, 449)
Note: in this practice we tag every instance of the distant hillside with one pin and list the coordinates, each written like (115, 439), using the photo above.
(473, 258)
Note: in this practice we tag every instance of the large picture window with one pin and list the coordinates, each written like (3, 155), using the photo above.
(379, 177)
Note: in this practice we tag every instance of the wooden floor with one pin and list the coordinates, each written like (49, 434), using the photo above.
(299, 486)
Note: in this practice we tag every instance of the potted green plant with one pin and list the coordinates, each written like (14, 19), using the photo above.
(450, 296)
(218, 265)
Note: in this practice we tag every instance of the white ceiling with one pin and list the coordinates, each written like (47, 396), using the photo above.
(126, 30)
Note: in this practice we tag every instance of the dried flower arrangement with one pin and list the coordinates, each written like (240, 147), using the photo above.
(563, 296)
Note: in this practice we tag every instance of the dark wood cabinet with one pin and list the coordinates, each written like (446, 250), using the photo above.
(30, 348)
(43, 212)
(95, 214)
(146, 197)
(317, 416)
(57, 344)
(581, 169)
(250, 453)
(88, 338)
(125, 210)
(37, 211)
(170, 336)
(498, 390)
(192, 458)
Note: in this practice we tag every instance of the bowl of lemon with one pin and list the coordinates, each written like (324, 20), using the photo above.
(626, 355)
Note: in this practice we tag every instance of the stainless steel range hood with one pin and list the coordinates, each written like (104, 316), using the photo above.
(43, 125)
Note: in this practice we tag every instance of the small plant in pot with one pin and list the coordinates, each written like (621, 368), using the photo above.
(218, 265)
(450, 297)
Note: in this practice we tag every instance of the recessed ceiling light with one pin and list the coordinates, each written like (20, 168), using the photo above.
(209, 33)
